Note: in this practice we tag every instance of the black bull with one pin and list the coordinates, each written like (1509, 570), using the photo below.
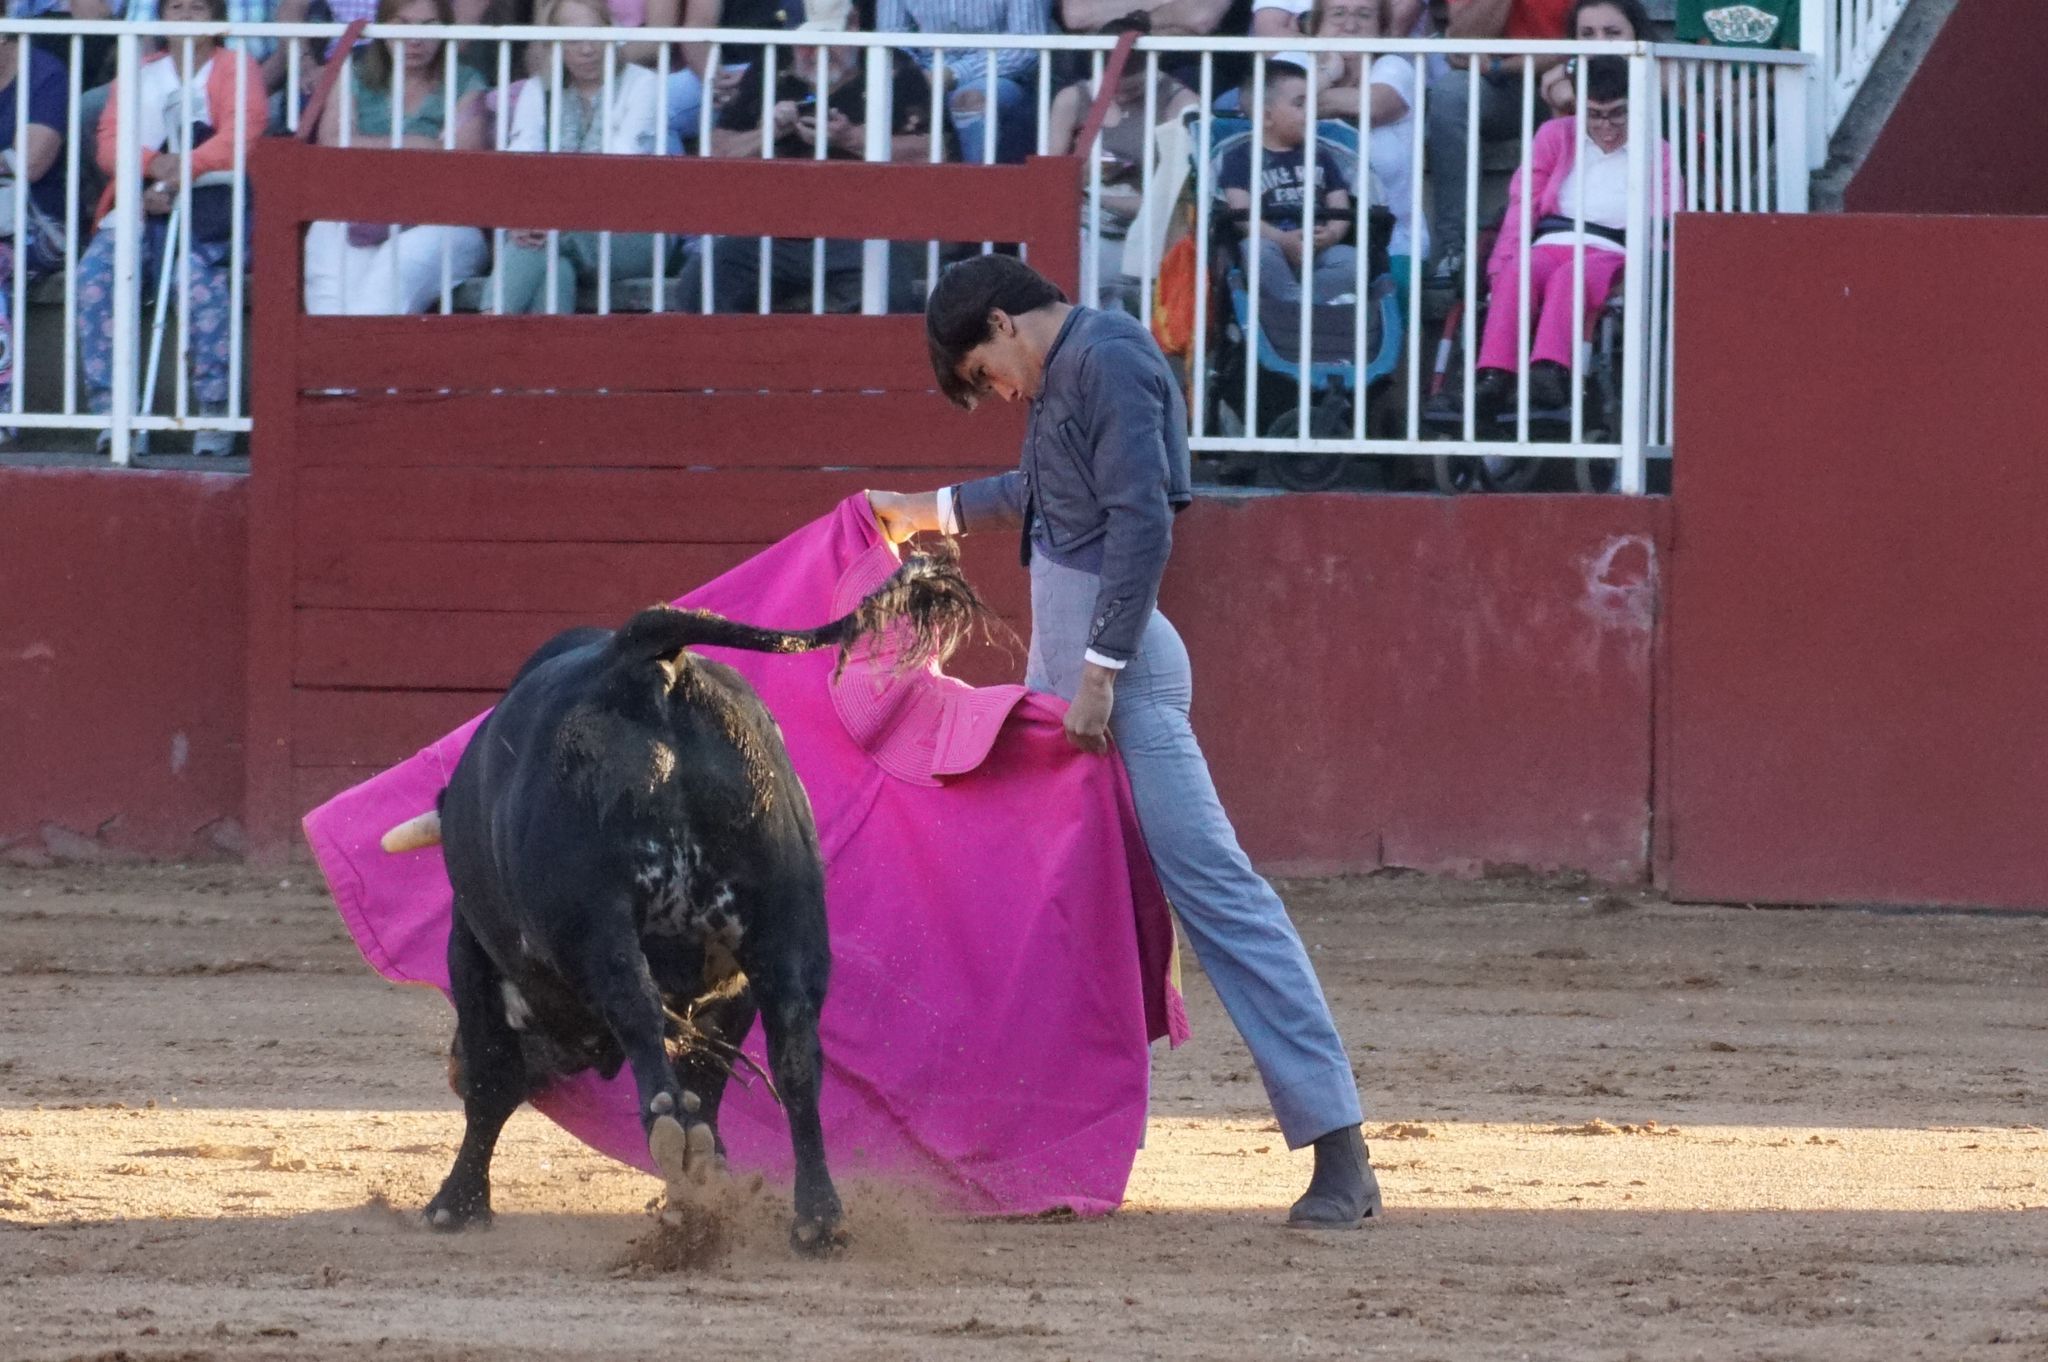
(636, 876)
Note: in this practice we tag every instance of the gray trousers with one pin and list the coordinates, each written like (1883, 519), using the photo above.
(1446, 140)
(1237, 925)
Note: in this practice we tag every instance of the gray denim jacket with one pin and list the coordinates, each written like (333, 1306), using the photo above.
(1104, 470)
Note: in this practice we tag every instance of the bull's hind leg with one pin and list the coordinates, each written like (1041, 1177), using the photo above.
(791, 994)
(618, 982)
(722, 1019)
(491, 1079)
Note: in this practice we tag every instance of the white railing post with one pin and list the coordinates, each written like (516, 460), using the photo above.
(1817, 40)
(881, 127)
(1645, 174)
(127, 225)
(1795, 114)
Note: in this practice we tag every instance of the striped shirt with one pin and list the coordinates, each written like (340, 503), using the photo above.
(969, 16)
(239, 12)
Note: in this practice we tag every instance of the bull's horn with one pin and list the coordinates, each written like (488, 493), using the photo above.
(414, 833)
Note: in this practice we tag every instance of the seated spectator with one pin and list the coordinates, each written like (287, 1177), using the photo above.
(686, 86)
(1752, 23)
(1290, 195)
(31, 177)
(1593, 21)
(799, 125)
(629, 127)
(1386, 87)
(1016, 111)
(1293, 18)
(1561, 164)
(363, 268)
(162, 98)
(1500, 109)
(1120, 147)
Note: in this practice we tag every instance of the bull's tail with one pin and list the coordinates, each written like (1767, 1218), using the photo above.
(927, 608)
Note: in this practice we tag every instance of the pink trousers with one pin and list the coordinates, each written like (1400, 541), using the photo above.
(1550, 298)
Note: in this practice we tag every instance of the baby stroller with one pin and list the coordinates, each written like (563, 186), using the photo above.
(1598, 369)
(1266, 338)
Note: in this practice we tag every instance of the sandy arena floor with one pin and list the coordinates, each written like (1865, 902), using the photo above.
(1607, 1128)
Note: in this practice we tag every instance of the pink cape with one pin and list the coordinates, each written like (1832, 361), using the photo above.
(1001, 950)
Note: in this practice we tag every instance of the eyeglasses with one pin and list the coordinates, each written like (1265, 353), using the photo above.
(1614, 116)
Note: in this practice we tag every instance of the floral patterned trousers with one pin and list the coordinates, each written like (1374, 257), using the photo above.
(206, 312)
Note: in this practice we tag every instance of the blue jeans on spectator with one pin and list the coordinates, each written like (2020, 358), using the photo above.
(1237, 925)
(1016, 122)
(685, 109)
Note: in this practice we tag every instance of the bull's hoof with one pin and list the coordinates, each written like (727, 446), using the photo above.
(447, 1214)
(685, 1155)
(818, 1238)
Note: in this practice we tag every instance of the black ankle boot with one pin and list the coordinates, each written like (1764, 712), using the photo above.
(1344, 1191)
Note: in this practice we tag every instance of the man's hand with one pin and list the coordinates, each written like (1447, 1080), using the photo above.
(1330, 234)
(902, 514)
(1290, 246)
(725, 85)
(156, 200)
(1088, 716)
(786, 121)
(533, 238)
(968, 101)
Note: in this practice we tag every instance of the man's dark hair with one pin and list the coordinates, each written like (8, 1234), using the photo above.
(1606, 79)
(956, 315)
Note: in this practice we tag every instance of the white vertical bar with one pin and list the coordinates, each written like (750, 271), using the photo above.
(1525, 310)
(1645, 170)
(1255, 246)
(1575, 373)
(127, 225)
(1660, 255)
(936, 154)
(657, 271)
(713, 64)
(238, 244)
(1141, 221)
(989, 129)
(498, 242)
(448, 85)
(769, 57)
(1420, 114)
(1795, 112)
(1044, 101)
(181, 242)
(820, 92)
(1473, 264)
(879, 130)
(1746, 169)
(1091, 254)
(1205, 191)
(291, 85)
(23, 64)
(1312, 202)
(554, 248)
(71, 223)
(604, 146)
(397, 140)
(1361, 231)
(1725, 73)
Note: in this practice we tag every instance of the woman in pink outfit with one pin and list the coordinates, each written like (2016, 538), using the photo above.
(1563, 165)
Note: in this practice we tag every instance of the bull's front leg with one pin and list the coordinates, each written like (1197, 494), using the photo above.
(789, 1014)
(489, 1074)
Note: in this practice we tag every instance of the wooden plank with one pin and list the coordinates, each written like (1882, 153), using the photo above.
(681, 195)
(602, 580)
(582, 505)
(377, 728)
(422, 649)
(666, 430)
(621, 353)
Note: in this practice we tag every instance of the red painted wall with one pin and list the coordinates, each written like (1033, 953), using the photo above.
(1447, 684)
(1857, 622)
(1402, 681)
(121, 645)
(1967, 135)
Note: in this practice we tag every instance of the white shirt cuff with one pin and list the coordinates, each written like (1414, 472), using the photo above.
(1099, 660)
(949, 511)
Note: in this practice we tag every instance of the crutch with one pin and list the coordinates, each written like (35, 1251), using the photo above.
(172, 225)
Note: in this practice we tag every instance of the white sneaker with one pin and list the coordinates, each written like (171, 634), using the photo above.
(213, 443)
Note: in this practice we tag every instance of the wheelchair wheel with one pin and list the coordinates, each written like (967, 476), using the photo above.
(1596, 475)
(1457, 473)
(1309, 472)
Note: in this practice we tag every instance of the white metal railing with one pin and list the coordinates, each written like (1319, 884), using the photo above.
(1844, 38)
(1374, 383)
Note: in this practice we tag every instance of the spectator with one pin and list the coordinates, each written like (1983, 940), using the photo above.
(1016, 111)
(1753, 23)
(1387, 88)
(31, 176)
(162, 96)
(367, 268)
(1120, 147)
(1593, 21)
(270, 55)
(686, 86)
(1562, 163)
(1293, 18)
(628, 127)
(1290, 194)
(1500, 109)
(798, 125)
